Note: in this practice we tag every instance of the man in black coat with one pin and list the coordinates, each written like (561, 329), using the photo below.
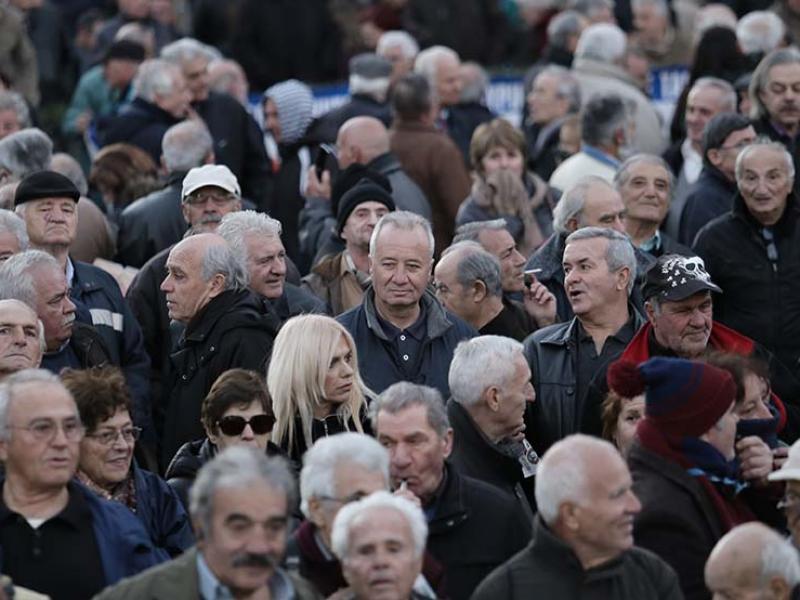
(226, 327)
(472, 527)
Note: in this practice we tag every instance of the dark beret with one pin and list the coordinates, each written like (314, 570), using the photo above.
(45, 184)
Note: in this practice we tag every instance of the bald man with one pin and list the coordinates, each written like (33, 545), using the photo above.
(21, 338)
(226, 327)
(753, 561)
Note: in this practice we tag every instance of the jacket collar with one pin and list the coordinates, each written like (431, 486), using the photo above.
(386, 163)
(791, 212)
(450, 509)
(436, 324)
(202, 323)
(561, 336)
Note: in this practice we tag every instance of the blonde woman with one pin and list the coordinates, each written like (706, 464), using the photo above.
(314, 384)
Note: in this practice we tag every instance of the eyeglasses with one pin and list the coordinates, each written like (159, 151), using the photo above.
(46, 429)
(346, 500)
(234, 425)
(216, 198)
(109, 436)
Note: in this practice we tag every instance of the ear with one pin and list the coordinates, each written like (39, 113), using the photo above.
(448, 442)
(316, 514)
(369, 259)
(572, 224)
(3, 451)
(714, 157)
(212, 436)
(779, 587)
(623, 277)
(493, 398)
(217, 285)
(185, 212)
(199, 533)
(568, 515)
(479, 292)
(650, 311)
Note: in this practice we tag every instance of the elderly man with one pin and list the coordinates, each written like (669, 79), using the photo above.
(411, 422)
(582, 543)
(56, 536)
(401, 330)
(161, 100)
(753, 561)
(599, 57)
(645, 184)
(708, 97)
(753, 252)
(490, 380)
(21, 338)
(13, 235)
(554, 95)
(240, 504)
(599, 267)
(225, 328)
(340, 279)
(157, 221)
(380, 541)
(775, 106)
(591, 202)
(14, 113)
(605, 131)
(712, 194)
(257, 239)
(238, 142)
(400, 49)
(666, 39)
(427, 154)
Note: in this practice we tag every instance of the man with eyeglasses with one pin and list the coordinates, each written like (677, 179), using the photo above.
(57, 537)
(753, 253)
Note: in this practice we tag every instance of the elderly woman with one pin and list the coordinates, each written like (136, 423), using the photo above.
(106, 463)
(314, 383)
(503, 189)
(236, 412)
(620, 417)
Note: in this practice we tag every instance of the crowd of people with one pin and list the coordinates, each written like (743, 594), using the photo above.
(401, 348)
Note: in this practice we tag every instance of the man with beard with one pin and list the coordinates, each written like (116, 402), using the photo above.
(240, 506)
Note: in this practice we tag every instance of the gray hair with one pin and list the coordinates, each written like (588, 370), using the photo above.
(661, 5)
(572, 201)
(351, 513)
(590, 8)
(602, 42)
(25, 151)
(763, 143)
(760, 31)
(567, 86)
(620, 253)
(15, 102)
(186, 146)
(318, 477)
(602, 117)
(403, 39)
(474, 87)
(480, 363)
(729, 98)
(221, 259)
(427, 61)
(10, 383)
(63, 163)
(779, 557)
(186, 49)
(623, 174)
(565, 24)
(236, 226)
(562, 475)
(476, 264)
(16, 280)
(403, 395)
(404, 220)
(758, 81)
(155, 77)
(12, 223)
(471, 232)
(238, 467)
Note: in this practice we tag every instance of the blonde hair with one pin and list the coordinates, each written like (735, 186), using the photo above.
(296, 374)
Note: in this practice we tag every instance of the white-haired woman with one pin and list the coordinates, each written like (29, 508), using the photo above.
(314, 383)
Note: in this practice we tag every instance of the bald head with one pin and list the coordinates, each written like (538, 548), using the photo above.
(752, 560)
(21, 337)
(360, 140)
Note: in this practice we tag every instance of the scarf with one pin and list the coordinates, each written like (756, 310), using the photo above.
(766, 429)
(124, 492)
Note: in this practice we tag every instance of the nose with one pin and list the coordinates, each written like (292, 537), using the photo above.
(280, 267)
(571, 277)
(698, 319)
(400, 457)
(247, 432)
(18, 336)
(519, 260)
(69, 305)
(166, 285)
(618, 224)
(634, 505)
(530, 393)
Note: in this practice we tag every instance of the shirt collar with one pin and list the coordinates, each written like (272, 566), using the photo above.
(280, 585)
(653, 244)
(415, 330)
(70, 272)
(597, 154)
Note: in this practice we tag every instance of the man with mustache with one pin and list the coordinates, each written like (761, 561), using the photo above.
(240, 506)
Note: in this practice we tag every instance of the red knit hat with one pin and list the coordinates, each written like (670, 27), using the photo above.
(682, 397)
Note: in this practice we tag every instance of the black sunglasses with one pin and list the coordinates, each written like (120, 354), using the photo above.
(234, 425)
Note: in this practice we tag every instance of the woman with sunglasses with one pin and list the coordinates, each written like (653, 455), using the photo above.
(106, 464)
(236, 412)
(314, 383)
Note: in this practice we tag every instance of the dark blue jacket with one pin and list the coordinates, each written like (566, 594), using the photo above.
(124, 547)
(375, 361)
(709, 197)
(113, 320)
(162, 514)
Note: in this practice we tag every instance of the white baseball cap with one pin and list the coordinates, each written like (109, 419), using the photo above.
(217, 175)
(791, 468)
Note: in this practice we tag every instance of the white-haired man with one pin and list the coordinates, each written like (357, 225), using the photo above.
(583, 534)
(21, 338)
(400, 49)
(240, 505)
(225, 327)
(753, 561)
(380, 541)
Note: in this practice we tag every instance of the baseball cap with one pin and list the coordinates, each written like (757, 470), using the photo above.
(217, 175)
(674, 277)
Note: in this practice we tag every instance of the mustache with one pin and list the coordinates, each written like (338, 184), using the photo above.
(210, 219)
(69, 319)
(252, 559)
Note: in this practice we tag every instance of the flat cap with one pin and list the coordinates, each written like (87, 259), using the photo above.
(45, 184)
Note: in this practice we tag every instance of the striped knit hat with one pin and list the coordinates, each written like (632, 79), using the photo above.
(294, 102)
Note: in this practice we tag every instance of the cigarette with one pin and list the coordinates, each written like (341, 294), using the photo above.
(532, 271)
(403, 485)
